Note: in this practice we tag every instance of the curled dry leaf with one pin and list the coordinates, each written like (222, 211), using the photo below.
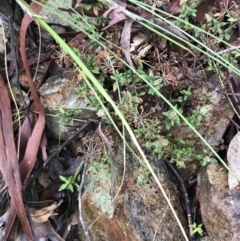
(233, 156)
(42, 215)
(116, 15)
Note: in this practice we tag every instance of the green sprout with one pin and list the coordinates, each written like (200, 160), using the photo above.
(197, 228)
(173, 117)
(66, 116)
(69, 182)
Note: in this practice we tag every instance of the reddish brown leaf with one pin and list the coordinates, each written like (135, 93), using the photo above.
(34, 141)
(25, 135)
(174, 7)
(8, 160)
(29, 158)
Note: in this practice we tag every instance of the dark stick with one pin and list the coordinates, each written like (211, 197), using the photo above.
(84, 226)
(183, 190)
(70, 138)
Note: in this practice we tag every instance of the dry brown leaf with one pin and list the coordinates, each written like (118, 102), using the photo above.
(32, 146)
(116, 15)
(171, 29)
(182, 2)
(233, 156)
(9, 165)
(42, 215)
(44, 179)
(43, 231)
(125, 40)
(71, 221)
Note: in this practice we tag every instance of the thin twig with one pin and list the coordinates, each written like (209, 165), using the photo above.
(228, 50)
(226, 93)
(70, 138)
(131, 15)
(84, 226)
(184, 192)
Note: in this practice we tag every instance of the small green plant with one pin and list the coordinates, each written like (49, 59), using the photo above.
(148, 130)
(91, 64)
(82, 91)
(197, 228)
(198, 117)
(173, 117)
(66, 116)
(204, 160)
(69, 182)
(53, 149)
(230, 58)
(215, 67)
(100, 167)
(182, 150)
(158, 146)
(130, 103)
(141, 175)
(95, 7)
(186, 93)
(122, 79)
(94, 101)
(187, 11)
(156, 81)
(217, 26)
(128, 79)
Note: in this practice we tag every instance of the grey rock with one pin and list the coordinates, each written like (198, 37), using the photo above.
(139, 212)
(220, 208)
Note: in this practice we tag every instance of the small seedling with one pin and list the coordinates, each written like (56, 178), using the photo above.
(142, 175)
(182, 150)
(95, 7)
(186, 93)
(173, 117)
(158, 146)
(198, 117)
(100, 168)
(207, 159)
(156, 81)
(69, 182)
(66, 116)
(197, 229)
(187, 11)
(91, 64)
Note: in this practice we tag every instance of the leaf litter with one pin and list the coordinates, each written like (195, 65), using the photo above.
(174, 69)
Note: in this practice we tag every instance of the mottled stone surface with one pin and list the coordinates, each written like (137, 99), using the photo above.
(139, 212)
(53, 14)
(59, 91)
(220, 208)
